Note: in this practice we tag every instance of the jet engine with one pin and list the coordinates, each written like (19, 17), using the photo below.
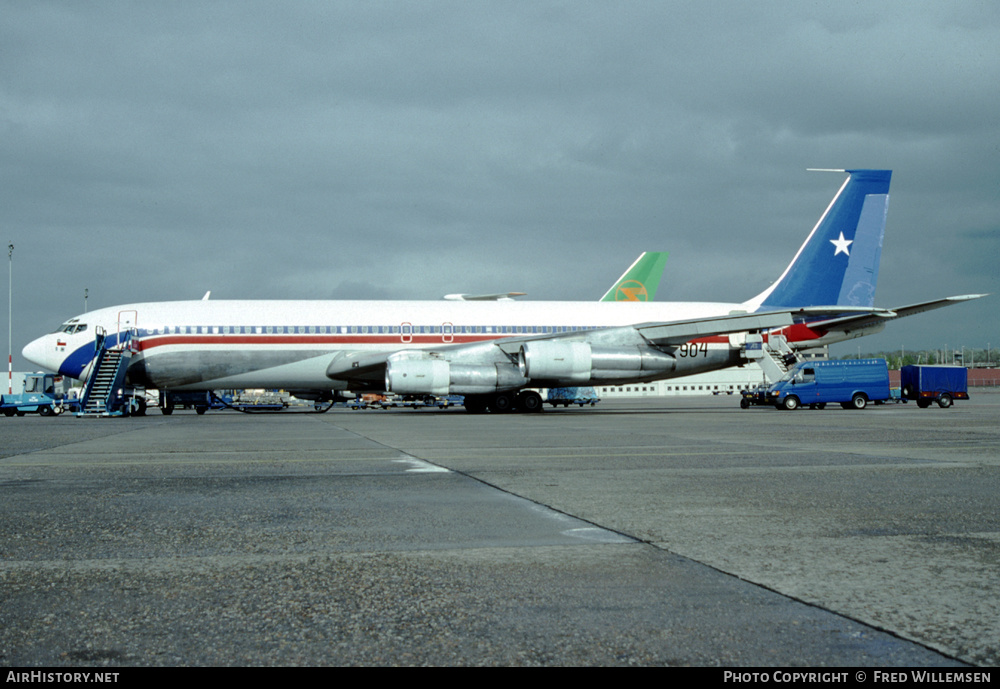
(438, 377)
(569, 363)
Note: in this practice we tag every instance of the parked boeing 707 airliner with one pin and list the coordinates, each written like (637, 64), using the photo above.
(492, 351)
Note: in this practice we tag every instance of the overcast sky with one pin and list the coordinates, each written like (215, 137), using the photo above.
(330, 150)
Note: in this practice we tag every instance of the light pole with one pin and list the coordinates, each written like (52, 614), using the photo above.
(10, 318)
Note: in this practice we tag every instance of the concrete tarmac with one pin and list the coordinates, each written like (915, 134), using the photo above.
(681, 531)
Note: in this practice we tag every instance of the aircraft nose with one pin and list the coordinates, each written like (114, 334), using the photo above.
(38, 353)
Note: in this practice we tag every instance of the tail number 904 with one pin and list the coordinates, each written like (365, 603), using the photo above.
(689, 349)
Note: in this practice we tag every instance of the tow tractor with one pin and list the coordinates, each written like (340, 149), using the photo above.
(755, 396)
(39, 397)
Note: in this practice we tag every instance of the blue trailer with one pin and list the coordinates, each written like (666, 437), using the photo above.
(852, 382)
(927, 384)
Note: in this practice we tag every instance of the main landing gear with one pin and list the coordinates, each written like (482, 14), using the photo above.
(503, 402)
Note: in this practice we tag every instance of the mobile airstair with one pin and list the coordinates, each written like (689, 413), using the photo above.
(105, 393)
(774, 356)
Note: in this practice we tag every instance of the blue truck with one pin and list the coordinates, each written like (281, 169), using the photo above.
(851, 382)
(927, 384)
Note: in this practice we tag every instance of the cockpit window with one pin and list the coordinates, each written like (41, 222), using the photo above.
(71, 328)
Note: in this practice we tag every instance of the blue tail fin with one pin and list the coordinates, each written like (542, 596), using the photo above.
(838, 263)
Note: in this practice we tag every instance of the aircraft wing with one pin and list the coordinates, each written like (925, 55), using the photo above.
(362, 369)
(367, 369)
(874, 317)
(679, 332)
(663, 334)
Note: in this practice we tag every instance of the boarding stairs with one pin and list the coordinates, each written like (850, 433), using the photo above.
(774, 356)
(103, 393)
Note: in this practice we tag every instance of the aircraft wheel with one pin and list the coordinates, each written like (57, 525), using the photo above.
(474, 404)
(503, 402)
(859, 401)
(944, 401)
(791, 403)
(530, 401)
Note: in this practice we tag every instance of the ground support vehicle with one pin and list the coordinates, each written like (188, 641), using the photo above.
(895, 395)
(39, 397)
(201, 401)
(568, 396)
(755, 396)
(928, 384)
(852, 383)
(441, 402)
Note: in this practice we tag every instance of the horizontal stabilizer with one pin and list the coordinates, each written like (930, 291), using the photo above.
(506, 296)
(879, 316)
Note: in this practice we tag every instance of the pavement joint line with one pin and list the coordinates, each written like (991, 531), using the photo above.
(202, 460)
(812, 604)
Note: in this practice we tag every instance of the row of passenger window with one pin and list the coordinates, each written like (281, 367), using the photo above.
(404, 329)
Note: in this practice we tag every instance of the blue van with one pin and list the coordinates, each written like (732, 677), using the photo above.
(851, 382)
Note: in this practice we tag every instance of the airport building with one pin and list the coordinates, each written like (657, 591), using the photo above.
(728, 381)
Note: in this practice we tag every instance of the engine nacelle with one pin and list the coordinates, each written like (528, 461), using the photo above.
(417, 377)
(568, 363)
(563, 361)
(438, 377)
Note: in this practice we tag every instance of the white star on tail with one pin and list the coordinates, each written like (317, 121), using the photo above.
(841, 245)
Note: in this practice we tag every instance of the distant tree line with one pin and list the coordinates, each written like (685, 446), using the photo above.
(978, 358)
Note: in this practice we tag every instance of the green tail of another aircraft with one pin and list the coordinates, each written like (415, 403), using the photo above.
(640, 281)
